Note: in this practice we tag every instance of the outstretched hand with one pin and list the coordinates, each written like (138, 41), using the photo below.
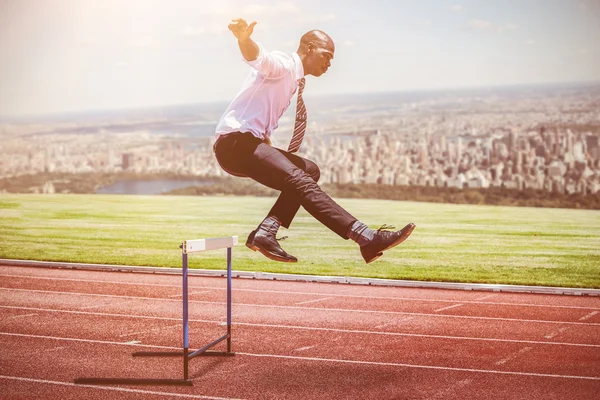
(240, 28)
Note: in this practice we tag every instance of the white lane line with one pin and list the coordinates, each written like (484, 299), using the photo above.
(331, 360)
(447, 308)
(311, 328)
(110, 296)
(304, 348)
(310, 308)
(588, 316)
(88, 341)
(416, 335)
(111, 388)
(514, 355)
(307, 293)
(313, 301)
(434, 367)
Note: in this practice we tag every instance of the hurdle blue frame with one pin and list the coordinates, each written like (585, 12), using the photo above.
(188, 246)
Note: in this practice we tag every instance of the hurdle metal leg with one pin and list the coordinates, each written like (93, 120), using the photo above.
(187, 356)
(229, 299)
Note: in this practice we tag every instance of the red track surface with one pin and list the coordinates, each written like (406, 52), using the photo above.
(293, 340)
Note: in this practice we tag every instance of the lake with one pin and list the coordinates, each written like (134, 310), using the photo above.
(155, 186)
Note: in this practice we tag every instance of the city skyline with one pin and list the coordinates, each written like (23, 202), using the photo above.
(541, 140)
(74, 56)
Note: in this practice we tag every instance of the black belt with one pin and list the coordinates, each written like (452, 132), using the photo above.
(230, 134)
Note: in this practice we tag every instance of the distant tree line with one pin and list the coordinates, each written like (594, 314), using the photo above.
(489, 196)
(232, 186)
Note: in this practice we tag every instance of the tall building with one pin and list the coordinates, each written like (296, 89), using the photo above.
(127, 161)
(569, 141)
(512, 142)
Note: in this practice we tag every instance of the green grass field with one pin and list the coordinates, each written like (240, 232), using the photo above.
(458, 243)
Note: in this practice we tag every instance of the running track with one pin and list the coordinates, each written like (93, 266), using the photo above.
(293, 340)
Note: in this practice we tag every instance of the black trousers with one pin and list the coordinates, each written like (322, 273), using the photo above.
(244, 155)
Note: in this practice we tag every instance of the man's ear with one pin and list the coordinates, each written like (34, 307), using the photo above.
(310, 47)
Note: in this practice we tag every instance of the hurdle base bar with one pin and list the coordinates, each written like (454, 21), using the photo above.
(201, 352)
(205, 352)
(159, 382)
(180, 353)
(133, 381)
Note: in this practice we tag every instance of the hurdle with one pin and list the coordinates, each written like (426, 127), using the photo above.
(187, 247)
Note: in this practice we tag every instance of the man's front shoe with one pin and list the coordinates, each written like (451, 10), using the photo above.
(383, 241)
(266, 243)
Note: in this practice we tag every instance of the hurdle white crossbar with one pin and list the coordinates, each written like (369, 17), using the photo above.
(187, 247)
(194, 246)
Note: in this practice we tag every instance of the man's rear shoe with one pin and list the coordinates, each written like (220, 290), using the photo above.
(383, 241)
(265, 242)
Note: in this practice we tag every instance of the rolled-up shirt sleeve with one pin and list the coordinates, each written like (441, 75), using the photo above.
(269, 64)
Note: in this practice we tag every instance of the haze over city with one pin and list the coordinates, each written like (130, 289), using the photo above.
(60, 56)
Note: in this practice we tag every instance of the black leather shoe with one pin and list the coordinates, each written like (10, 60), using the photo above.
(265, 242)
(383, 241)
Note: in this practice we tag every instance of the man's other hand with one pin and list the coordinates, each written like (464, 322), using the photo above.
(240, 28)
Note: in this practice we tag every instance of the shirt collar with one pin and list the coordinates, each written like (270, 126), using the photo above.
(299, 67)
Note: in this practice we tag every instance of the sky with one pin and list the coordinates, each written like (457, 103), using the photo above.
(60, 56)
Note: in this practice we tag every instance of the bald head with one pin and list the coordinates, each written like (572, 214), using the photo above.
(314, 36)
(316, 52)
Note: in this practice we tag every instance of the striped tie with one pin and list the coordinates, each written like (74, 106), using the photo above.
(300, 125)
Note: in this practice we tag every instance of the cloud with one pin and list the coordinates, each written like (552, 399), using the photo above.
(530, 42)
(479, 24)
(423, 23)
(248, 11)
(315, 19)
(254, 9)
(349, 43)
(589, 5)
(87, 42)
(145, 42)
(508, 27)
(281, 13)
(192, 31)
(286, 6)
(485, 25)
(456, 8)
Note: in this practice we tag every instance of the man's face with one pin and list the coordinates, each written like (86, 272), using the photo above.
(319, 57)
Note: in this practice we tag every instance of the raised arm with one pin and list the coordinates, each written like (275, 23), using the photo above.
(242, 31)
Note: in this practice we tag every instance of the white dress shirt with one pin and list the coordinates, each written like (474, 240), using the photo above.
(265, 95)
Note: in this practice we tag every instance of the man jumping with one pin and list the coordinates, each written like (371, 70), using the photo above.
(243, 146)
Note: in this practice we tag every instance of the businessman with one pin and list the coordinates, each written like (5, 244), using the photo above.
(243, 146)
